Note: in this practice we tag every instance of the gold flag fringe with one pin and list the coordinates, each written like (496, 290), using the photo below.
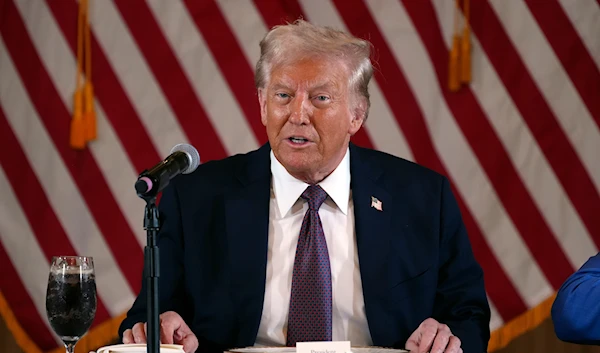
(523, 323)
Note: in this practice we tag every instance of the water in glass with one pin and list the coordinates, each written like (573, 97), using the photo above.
(71, 297)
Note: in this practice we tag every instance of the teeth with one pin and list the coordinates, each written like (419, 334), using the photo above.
(297, 140)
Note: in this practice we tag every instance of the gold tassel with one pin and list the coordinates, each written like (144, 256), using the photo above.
(454, 58)
(83, 124)
(77, 140)
(453, 70)
(77, 137)
(89, 113)
(465, 46)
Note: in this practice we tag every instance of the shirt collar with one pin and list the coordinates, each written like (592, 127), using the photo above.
(288, 189)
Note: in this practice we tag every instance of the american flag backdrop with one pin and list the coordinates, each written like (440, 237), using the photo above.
(520, 143)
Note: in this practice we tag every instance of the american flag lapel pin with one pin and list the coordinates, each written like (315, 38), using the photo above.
(376, 203)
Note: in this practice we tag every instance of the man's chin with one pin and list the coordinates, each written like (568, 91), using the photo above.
(297, 166)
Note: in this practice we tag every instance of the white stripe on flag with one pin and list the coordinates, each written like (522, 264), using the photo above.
(63, 195)
(496, 320)
(456, 154)
(136, 77)
(553, 82)
(205, 76)
(541, 181)
(107, 149)
(381, 126)
(247, 25)
(585, 17)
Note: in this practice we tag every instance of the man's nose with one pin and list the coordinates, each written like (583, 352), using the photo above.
(299, 111)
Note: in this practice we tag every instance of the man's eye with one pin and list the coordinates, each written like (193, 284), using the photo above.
(282, 95)
(322, 98)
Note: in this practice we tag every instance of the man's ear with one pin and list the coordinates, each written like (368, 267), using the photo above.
(358, 116)
(262, 100)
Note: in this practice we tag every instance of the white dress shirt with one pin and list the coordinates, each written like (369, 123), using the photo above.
(286, 212)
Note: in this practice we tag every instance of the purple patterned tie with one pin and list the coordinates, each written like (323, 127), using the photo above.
(310, 301)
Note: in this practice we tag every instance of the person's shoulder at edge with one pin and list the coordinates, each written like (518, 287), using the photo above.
(217, 173)
(398, 169)
(574, 311)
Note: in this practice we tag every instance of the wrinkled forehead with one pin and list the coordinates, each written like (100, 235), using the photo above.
(320, 83)
(309, 73)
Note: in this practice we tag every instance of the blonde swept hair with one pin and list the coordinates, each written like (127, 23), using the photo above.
(301, 39)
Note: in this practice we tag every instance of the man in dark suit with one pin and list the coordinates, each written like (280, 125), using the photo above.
(575, 311)
(310, 237)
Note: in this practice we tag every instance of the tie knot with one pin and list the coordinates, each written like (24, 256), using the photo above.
(315, 196)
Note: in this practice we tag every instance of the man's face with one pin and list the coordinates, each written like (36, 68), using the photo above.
(307, 110)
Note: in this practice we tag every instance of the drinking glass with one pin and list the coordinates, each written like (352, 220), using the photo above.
(71, 298)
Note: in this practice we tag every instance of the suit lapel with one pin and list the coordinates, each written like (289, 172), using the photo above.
(247, 222)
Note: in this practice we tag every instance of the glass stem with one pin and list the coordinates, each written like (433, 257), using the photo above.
(70, 347)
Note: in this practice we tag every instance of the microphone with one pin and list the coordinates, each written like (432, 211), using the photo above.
(183, 159)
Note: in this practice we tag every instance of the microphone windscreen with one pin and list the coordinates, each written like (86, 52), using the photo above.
(192, 153)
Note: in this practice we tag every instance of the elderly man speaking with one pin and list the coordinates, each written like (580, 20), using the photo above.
(311, 238)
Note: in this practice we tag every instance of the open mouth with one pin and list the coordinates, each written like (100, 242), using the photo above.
(298, 140)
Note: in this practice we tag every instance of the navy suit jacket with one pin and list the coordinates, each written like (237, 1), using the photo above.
(415, 257)
(575, 311)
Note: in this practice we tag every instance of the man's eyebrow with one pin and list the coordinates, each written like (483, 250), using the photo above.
(317, 86)
(324, 85)
(279, 85)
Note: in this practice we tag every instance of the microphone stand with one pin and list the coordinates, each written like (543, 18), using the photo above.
(151, 271)
(182, 158)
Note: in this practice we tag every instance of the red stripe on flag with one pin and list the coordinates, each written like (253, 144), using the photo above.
(394, 86)
(21, 304)
(491, 153)
(173, 81)
(292, 8)
(81, 164)
(278, 12)
(3, 6)
(537, 115)
(48, 231)
(107, 88)
(402, 102)
(231, 60)
(570, 50)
